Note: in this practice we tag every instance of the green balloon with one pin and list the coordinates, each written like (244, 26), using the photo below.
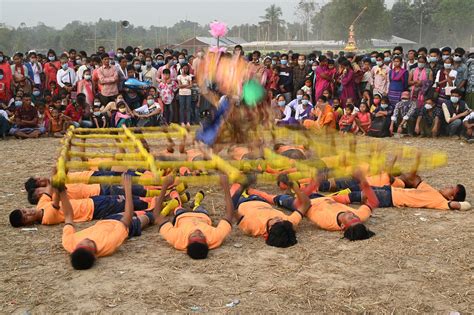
(252, 93)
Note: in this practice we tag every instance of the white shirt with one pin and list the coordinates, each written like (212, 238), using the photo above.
(80, 72)
(287, 112)
(184, 80)
(66, 76)
(299, 111)
(468, 117)
(145, 109)
(4, 114)
(37, 69)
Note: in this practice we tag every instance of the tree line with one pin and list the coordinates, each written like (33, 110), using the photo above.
(435, 22)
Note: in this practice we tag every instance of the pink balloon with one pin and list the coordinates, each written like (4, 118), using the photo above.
(218, 29)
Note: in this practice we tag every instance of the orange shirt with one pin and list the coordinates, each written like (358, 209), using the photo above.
(189, 222)
(82, 177)
(285, 148)
(192, 154)
(324, 211)
(83, 210)
(239, 153)
(379, 180)
(255, 215)
(424, 196)
(326, 118)
(107, 235)
(82, 191)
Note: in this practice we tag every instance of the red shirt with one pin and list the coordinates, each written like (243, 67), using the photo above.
(26, 113)
(74, 113)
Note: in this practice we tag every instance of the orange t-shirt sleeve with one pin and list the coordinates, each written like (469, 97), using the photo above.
(295, 218)
(363, 212)
(68, 238)
(170, 234)
(219, 233)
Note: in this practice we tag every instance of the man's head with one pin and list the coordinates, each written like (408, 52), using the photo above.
(22, 217)
(280, 233)
(197, 245)
(34, 182)
(456, 193)
(83, 256)
(352, 226)
(26, 99)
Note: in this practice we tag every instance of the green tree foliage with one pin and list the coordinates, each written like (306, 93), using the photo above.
(272, 21)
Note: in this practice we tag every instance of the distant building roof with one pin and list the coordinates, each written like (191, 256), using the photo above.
(211, 41)
(394, 41)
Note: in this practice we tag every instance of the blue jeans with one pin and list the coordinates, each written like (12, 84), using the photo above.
(288, 202)
(168, 112)
(135, 228)
(184, 108)
(384, 195)
(341, 183)
(108, 205)
(137, 190)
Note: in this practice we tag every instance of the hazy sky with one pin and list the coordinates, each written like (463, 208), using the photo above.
(140, 12)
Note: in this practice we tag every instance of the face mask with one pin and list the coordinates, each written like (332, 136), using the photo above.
(96, 113)
(1, 76)
(51, 58)
(160, 62)
(148, 64)
(445, 57)
(274, 62)
(284, 62)
(150, 102)
(457, 59)
(305, 102)
(421, 65)
(36, 93)
(301, 62)
(137, 66)
(428, 106)
(373, 59)
(404, 99)
(281, 103)
(314, 68)
(1, 58)
(379, 63)
(33, 60)
(87, 76)
(119, 55)
(174, 62)
(64, 66)
(454, 99)
(18, 103)
(122, 110)
(376, 101)
(298, 97)
(181, 61)
(448, 66)
(384, 106)
(433, 59)
(387, 59)
(96, 103)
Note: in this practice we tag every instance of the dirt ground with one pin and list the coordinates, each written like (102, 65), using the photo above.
(420, 261)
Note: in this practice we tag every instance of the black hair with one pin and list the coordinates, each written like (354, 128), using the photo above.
(322, 58)
(435, 50)
(16, 218)
(386, 99)
(282, 234)
(447, 48)
(30, 184)
(323, 98)
(166, 71)
(422, 57)
(461, 194)
(398, 48)
(81, 100)
(460, 50)
(197, 250)
(103, 56)
(82, 259)
(294, 154)
(423, 49)
(379, 55)
(32, 197)
(456, 91)
(398, 58)
(350, 106)
(358, 232)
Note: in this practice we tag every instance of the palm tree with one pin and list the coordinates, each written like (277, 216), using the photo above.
(272, 20)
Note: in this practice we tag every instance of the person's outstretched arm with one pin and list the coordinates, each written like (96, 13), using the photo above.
(370, 199)
(159, 219)
(127, 187)
(67, 207)
(229, 207)
(302, 200)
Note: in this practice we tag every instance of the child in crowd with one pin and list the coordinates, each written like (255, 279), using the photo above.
(98, 118)
(195, 102)
(307, 87)
(167, 88)
(56, 124)
(363, 119)
(346, 122)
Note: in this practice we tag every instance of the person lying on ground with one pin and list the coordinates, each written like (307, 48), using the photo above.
(330, 215)
(104, 237)
(192, 231)
(256, 216)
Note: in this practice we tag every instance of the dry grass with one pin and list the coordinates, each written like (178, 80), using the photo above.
(411, 266)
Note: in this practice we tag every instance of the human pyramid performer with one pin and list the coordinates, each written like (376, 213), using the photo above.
(128, 179)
